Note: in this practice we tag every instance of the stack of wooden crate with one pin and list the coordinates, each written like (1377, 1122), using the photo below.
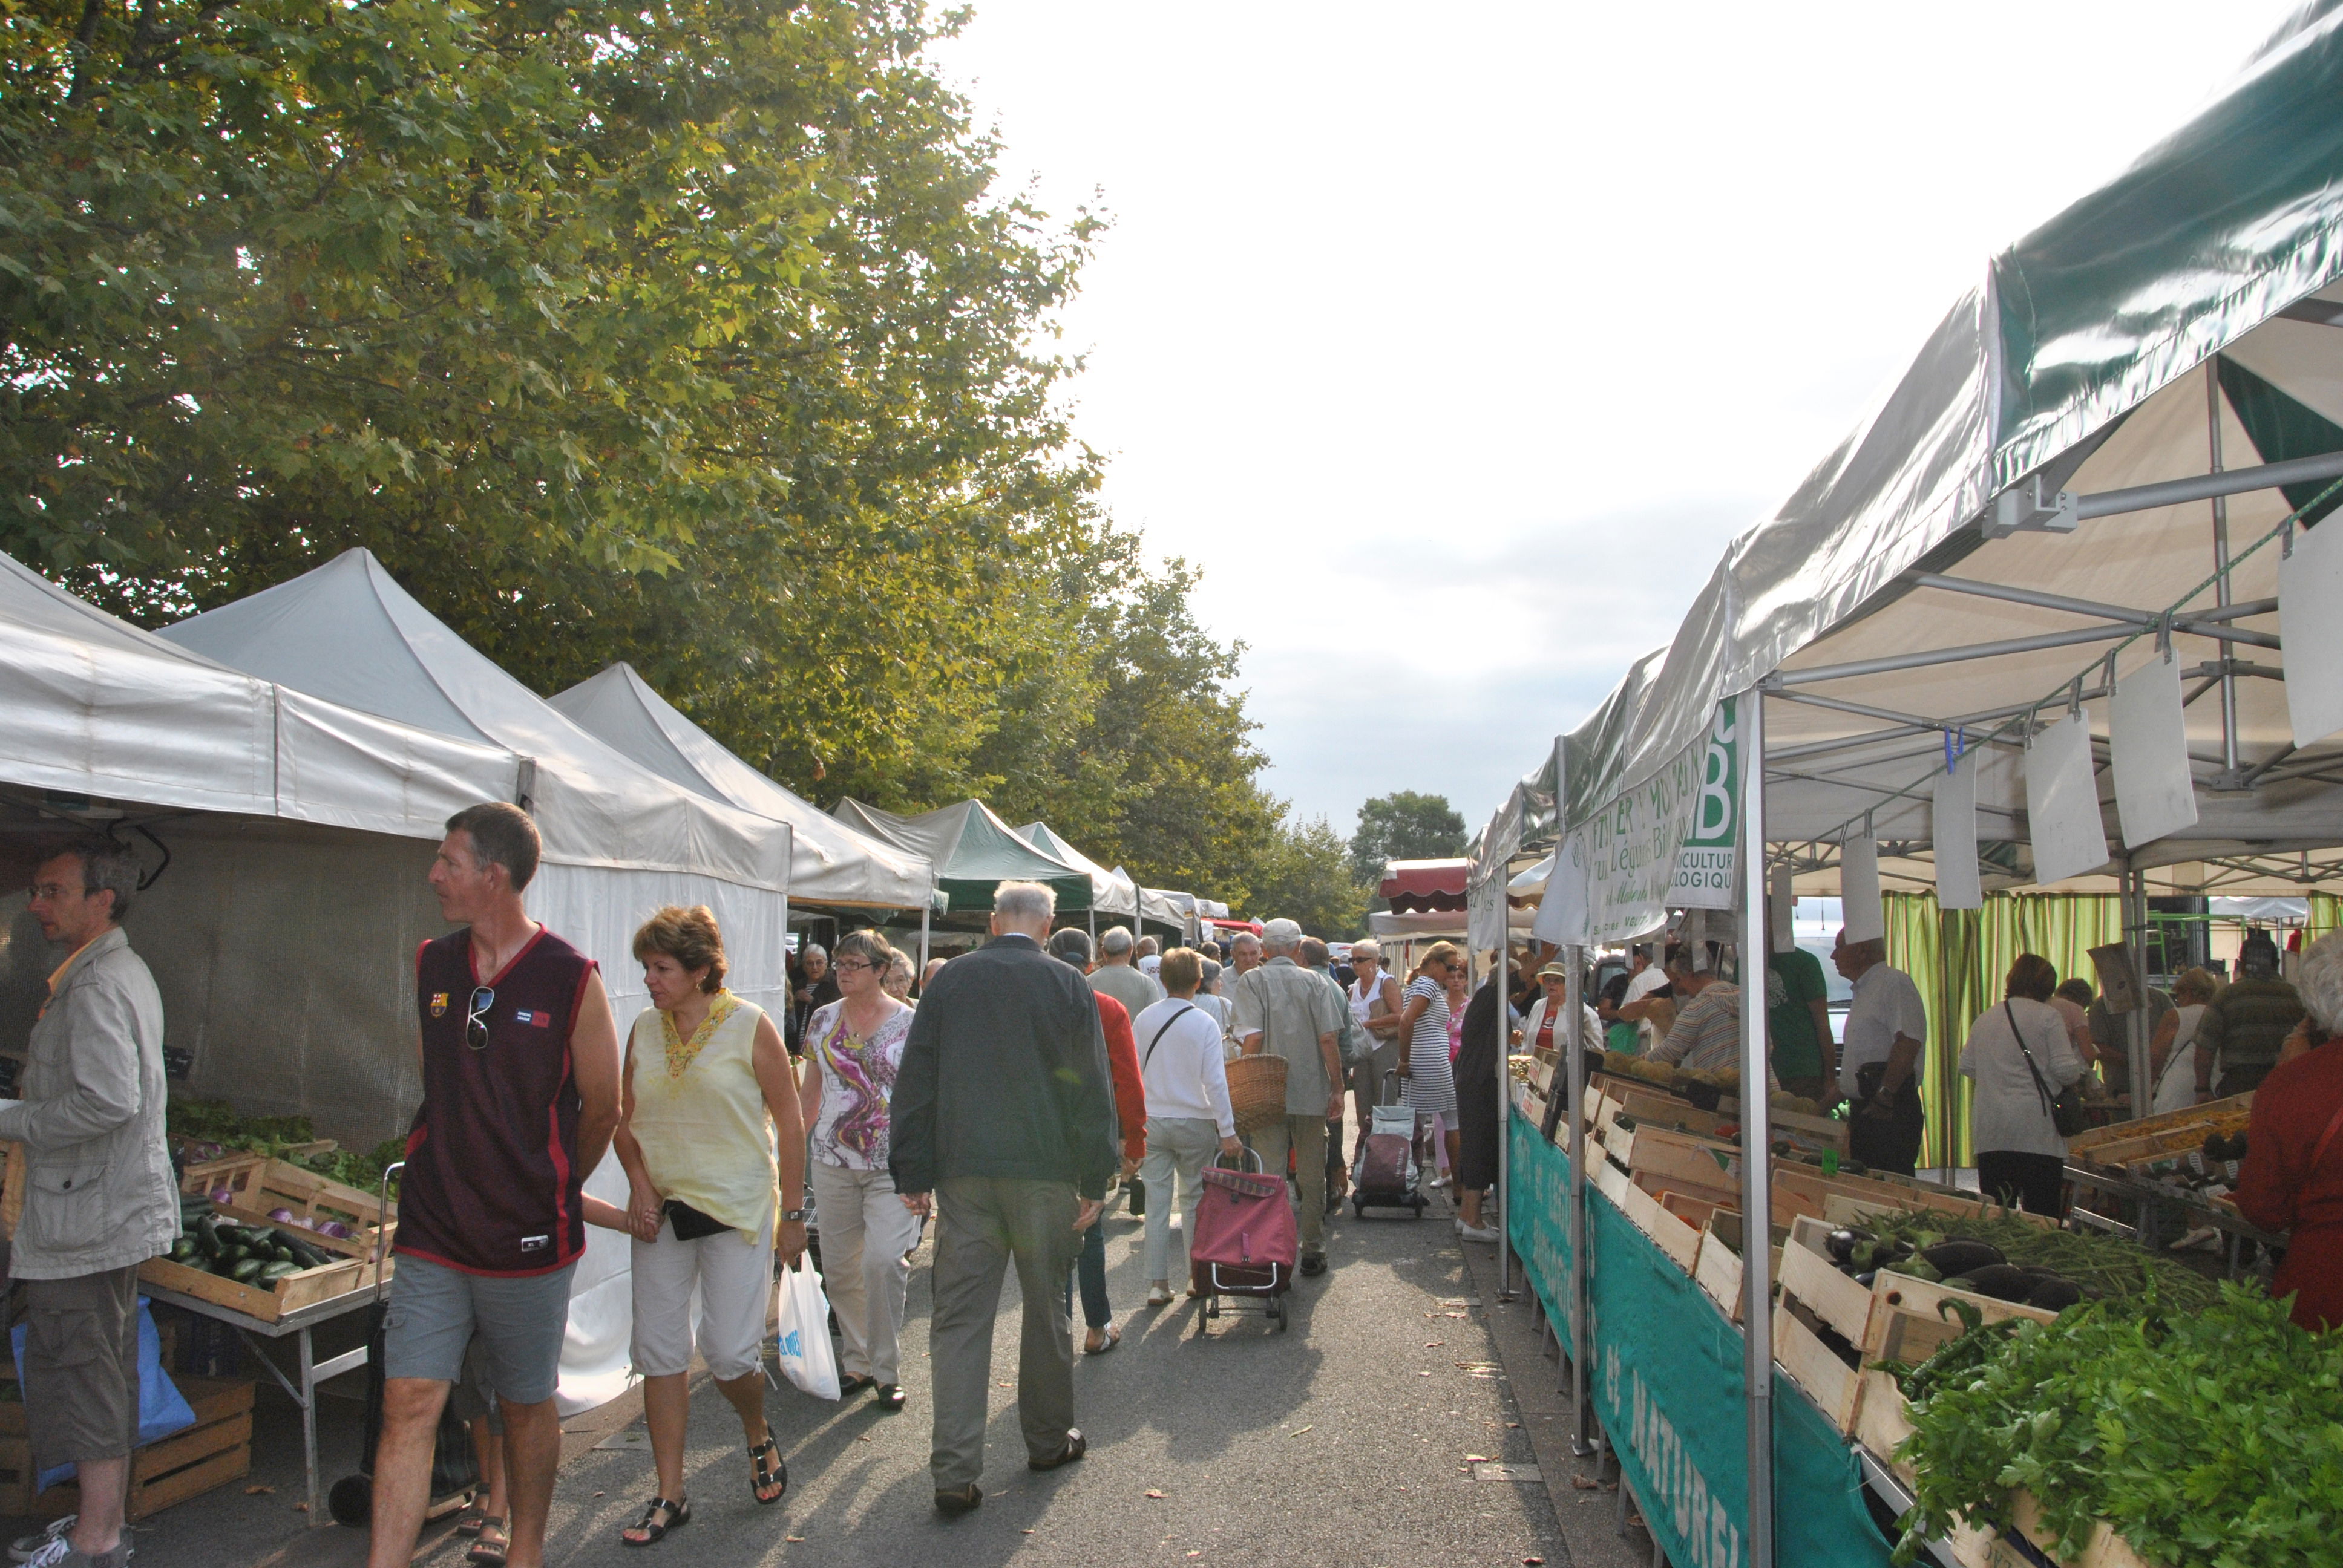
(214, 1451)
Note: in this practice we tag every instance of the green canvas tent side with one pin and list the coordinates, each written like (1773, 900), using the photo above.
(973, 850)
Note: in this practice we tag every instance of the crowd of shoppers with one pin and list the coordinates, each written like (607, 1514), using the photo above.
(1003, 1104)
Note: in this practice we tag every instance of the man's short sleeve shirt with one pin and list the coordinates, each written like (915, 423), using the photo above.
(1886, 1004)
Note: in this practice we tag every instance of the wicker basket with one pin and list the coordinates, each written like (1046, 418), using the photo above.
(1257, 1091)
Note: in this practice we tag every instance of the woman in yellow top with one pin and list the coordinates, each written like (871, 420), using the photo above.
(708, 1080)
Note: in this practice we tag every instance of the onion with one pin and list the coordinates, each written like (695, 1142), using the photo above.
(223, 1194)
(335, 1229)
(281, 1216)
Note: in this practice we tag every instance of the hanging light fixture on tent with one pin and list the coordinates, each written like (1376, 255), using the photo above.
(2061, 801)
(2310, 604)
(1860, 910)
(1953, 828)
(2148, 732)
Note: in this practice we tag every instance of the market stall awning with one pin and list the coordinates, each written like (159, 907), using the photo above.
(829, 863)
(1112, 892)
(349, 633)
(973, 850)
(94, 707)
(1417, 885)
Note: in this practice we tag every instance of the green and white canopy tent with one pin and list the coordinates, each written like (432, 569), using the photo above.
(2059, 614)
(973, 850)
(1112, 894)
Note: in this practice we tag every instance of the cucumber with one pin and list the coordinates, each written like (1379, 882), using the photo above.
(245, 1271)
(269, 1273)
(182, 1249)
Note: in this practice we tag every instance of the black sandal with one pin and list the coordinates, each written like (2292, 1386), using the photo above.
(890, 1397)
(493, 1542)
(853, 1384)
(761, 1475)
(678, 1515)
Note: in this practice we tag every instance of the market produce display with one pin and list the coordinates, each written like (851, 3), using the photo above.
(2097, 1267)
(248, 1254)
(2211, 1435)
(208, 1128)
(1696, 1086)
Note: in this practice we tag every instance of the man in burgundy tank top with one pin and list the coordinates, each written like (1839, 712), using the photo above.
(520, 1096)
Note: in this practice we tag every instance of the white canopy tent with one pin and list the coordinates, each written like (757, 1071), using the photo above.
(830, 864)
(1112, 893)
(619, 840)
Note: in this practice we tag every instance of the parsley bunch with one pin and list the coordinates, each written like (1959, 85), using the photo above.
(2212, 1437)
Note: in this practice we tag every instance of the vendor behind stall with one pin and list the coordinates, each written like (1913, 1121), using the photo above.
(2292, 1179)
(101, 1199)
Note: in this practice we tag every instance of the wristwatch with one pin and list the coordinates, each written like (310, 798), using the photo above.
(794, 1216)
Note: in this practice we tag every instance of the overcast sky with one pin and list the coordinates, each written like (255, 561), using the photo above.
(1455, 342)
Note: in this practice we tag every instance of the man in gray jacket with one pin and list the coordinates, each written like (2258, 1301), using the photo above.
(100, 1199)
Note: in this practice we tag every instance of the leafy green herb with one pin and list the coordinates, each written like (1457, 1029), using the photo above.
(2212, 1437)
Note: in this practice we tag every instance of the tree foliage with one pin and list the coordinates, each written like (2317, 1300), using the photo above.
(692, 333)
(1404, 826)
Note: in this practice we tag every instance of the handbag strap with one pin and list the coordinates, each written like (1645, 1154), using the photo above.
(1152, 1044)
(2040, 1087)
(2334, 1127)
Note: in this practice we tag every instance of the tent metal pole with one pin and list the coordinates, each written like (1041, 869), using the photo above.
(1504, 1226)
(2134, 882)
(925, 913)
(2221, 563)
(1934, 657)
(1581, 1435)
(2205, 487)
(1959, 720)
(2212, 626)
(1756, 1136)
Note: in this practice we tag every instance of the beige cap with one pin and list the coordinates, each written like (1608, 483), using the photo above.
(1281, 931)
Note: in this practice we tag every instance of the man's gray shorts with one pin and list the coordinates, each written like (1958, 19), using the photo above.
(435, 1311)
(81, 1365)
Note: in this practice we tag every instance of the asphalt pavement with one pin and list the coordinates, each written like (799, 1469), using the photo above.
(1408, 1418)
(1365, 1434)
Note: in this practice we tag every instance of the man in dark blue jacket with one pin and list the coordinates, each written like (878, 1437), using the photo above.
(1003, 1119)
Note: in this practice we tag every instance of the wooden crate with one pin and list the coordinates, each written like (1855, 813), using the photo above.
(1692, 1211)
(1808, 1273)
(1720, 1269)
(270, 1185)
(1611, 1181)
(1908, 1321)
(1679, 1162)
(1828, 1376)
(1669, 1232)
(289, 1295)
(214, 1451)
(2092, 1146)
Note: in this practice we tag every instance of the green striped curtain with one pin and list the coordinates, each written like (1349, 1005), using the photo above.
(2325, 915)
(1959, 958)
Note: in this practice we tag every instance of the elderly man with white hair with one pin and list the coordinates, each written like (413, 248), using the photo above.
(2292, 1179)
(1003, 1114)
(1284, 1007)
(1114, 976)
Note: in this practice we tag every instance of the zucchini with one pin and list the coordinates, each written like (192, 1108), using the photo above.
(307, 1256)
(269, 1273)
(182, 1249)
(244, 1272)
(207, 1238)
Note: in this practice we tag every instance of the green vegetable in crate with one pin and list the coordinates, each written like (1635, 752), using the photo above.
(244, 1270)
(1977, 1344)
(269, 1273)
(2134, 1414)
(1962, 1257)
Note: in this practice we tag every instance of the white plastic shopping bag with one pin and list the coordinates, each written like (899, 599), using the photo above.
(806, 1357)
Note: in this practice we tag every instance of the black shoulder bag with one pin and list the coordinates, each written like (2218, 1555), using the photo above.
(2065, 1106)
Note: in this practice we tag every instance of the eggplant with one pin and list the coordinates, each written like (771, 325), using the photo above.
(1962, 1257)
(2002, 1281)
(1842, 1244)
(1865, 1278)
(2055, 1294)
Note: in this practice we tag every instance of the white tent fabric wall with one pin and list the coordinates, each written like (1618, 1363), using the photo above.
(1112, 893)
(619, 840)
(830, 864)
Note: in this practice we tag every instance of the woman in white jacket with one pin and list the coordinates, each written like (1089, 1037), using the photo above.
(2019, 1055)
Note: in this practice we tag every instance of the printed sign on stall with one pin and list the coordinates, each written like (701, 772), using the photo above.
(1703, 874)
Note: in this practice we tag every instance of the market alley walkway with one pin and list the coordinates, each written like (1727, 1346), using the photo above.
(1344, 1441)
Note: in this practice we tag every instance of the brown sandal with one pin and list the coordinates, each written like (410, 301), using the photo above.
(494, 1543)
